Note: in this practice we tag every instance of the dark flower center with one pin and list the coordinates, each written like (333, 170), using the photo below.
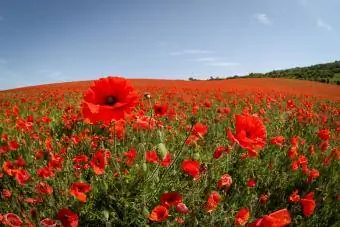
(111, 100)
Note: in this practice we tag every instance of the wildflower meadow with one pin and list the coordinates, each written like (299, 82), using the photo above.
(111, 153)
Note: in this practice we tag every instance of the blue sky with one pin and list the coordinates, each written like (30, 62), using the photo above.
(67, 40)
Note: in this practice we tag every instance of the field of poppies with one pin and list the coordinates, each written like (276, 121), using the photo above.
(247, 152)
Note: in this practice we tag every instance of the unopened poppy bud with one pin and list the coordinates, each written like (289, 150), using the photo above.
(193, 120)
(147, 95)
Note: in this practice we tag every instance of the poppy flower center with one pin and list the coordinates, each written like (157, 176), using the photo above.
(111, 100)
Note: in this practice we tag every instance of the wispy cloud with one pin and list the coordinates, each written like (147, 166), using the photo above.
(206, 59)
(193, 51)
(322, 24)
(263, 19)
(225, 63)
(215, 61)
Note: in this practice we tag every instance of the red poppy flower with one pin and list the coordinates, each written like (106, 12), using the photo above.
(250, 134)
(22, 176)
(43, 188)
(78, 190)
(159, 213)
(167, 160)
(251, 183)
(278, 140)
(191, 167)
(160, 109)
(151, 156)
(225, 182)
(130, 155)
(278, 218)
(67, 218)
(12, 220)
(308, 204)
(6, 194)
(294, 197)
(13, 145)
(219, 151)
(324, 134)
(242, 217)
(108, 99)
(145, 123)
(199, 129)
(45, 172)
(98, 163)
(313, 174)
(170, 199)
(212, 202)
(48, 223)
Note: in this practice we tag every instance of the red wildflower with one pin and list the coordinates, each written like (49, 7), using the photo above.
(292, 153)
(151, 156)
(308, 204)
(324, 145)
(278, 140)
(242, 217)
(170, 199)
(324, 134)
(191, 167)
(225, 182)
(219, 151)
(159, 213)
(13, 145)
(167, 160)
(98, 163)
(43, 188)
(313, 174)
(130, 155)
(22, 176)
(199, 129)
(45, 172)
(251, 183)
(108, 99)
(12, 220)
(48, 223)
(294, 197)
(212, 202)
(160, 109)
(250, 134)
(67, 218)
(6, 194)
(278, 218)
(78, 190)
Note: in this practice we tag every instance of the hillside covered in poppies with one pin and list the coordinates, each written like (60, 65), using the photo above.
(115, 152)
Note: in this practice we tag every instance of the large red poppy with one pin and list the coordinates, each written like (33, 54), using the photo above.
(68, 218)
(99, 163)
(250, 133)
(308, 204)
(12, 220)
(278, 218)
(191, 167)
(108, 99)
(242, 217)
(159, 213)
(171, 199)
(78, 190)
